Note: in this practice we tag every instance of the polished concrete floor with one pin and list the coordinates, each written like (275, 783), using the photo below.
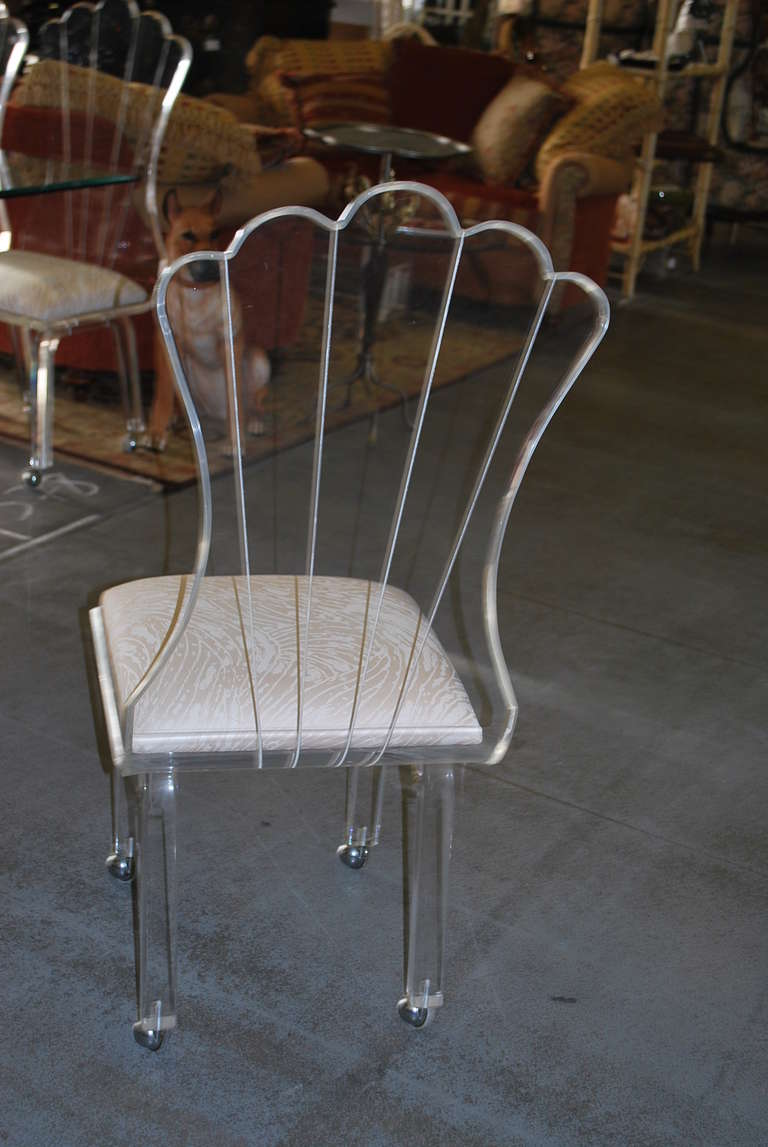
(608, 940)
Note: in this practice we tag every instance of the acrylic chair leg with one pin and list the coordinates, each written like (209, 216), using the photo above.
(42, 353)
(130, 383)
(428, 803)
(362, 827)
(155, 887)
(121, 861)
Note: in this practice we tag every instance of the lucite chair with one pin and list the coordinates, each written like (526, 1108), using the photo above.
(106, 77)
(306, 633)
(14, 41)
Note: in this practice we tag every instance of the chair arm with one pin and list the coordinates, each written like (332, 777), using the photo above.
(574, 175)
(597, 175)
(298, 180)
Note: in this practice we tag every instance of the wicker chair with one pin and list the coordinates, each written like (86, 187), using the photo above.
(320, 647)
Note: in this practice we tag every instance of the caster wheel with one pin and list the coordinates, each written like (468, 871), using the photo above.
(148, 1038)
(32, 477)
(353, 855)
(416, 1017)
(130, 442)
(121, 867)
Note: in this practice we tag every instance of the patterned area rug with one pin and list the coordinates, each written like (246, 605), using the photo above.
(88, 416)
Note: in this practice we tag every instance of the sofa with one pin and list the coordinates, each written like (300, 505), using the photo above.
(554, 157)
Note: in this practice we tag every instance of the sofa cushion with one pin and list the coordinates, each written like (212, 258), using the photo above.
(270, 102)
(513, 125)
(611, 112)
(443, 89)
(216, 680)
(322, 99)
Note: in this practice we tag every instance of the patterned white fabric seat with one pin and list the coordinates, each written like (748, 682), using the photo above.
(48, 288)
(203, 699)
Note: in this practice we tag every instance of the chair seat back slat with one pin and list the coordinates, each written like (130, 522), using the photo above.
(397, 233)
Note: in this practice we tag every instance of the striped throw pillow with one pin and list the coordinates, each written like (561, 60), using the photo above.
(321, 99)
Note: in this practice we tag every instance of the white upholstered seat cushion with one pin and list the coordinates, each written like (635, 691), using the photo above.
(203, 701)
(47, 288)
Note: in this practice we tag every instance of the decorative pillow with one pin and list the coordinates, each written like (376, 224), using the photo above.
(321, 99)
(270, 56)
(334, 57)
(513, 125)
(612, 111)
(443, 89)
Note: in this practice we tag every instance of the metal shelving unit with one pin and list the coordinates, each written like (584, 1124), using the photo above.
(634, 249)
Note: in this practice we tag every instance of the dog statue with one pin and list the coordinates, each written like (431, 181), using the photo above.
(194, 308)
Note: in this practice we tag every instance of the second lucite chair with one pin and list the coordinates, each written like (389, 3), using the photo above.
(101, 91)
(341, 608)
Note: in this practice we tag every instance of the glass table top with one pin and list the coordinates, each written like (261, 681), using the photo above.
(382, 139)
(22, 174)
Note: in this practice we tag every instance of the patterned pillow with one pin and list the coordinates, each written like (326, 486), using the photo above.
(612, 111)
(329, 57)
(270, 56)
(513, 125)
(321, 99)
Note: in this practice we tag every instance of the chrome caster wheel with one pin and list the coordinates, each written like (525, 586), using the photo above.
(353, 855)
(416, 1017)
(146, 1037)
(32, 477)
(121, 866)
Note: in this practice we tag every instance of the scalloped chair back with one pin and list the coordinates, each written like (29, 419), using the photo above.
(341, 610)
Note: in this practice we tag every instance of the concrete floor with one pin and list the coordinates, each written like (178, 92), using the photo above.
(608, 940)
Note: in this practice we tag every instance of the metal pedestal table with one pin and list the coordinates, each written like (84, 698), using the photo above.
(386, 142)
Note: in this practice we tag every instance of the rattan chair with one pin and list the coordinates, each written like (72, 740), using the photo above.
(320, 647)
(107, 77)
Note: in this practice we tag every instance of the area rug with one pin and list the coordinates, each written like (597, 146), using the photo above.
(88, 417)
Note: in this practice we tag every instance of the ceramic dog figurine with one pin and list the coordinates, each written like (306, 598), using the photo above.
(194, 308)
